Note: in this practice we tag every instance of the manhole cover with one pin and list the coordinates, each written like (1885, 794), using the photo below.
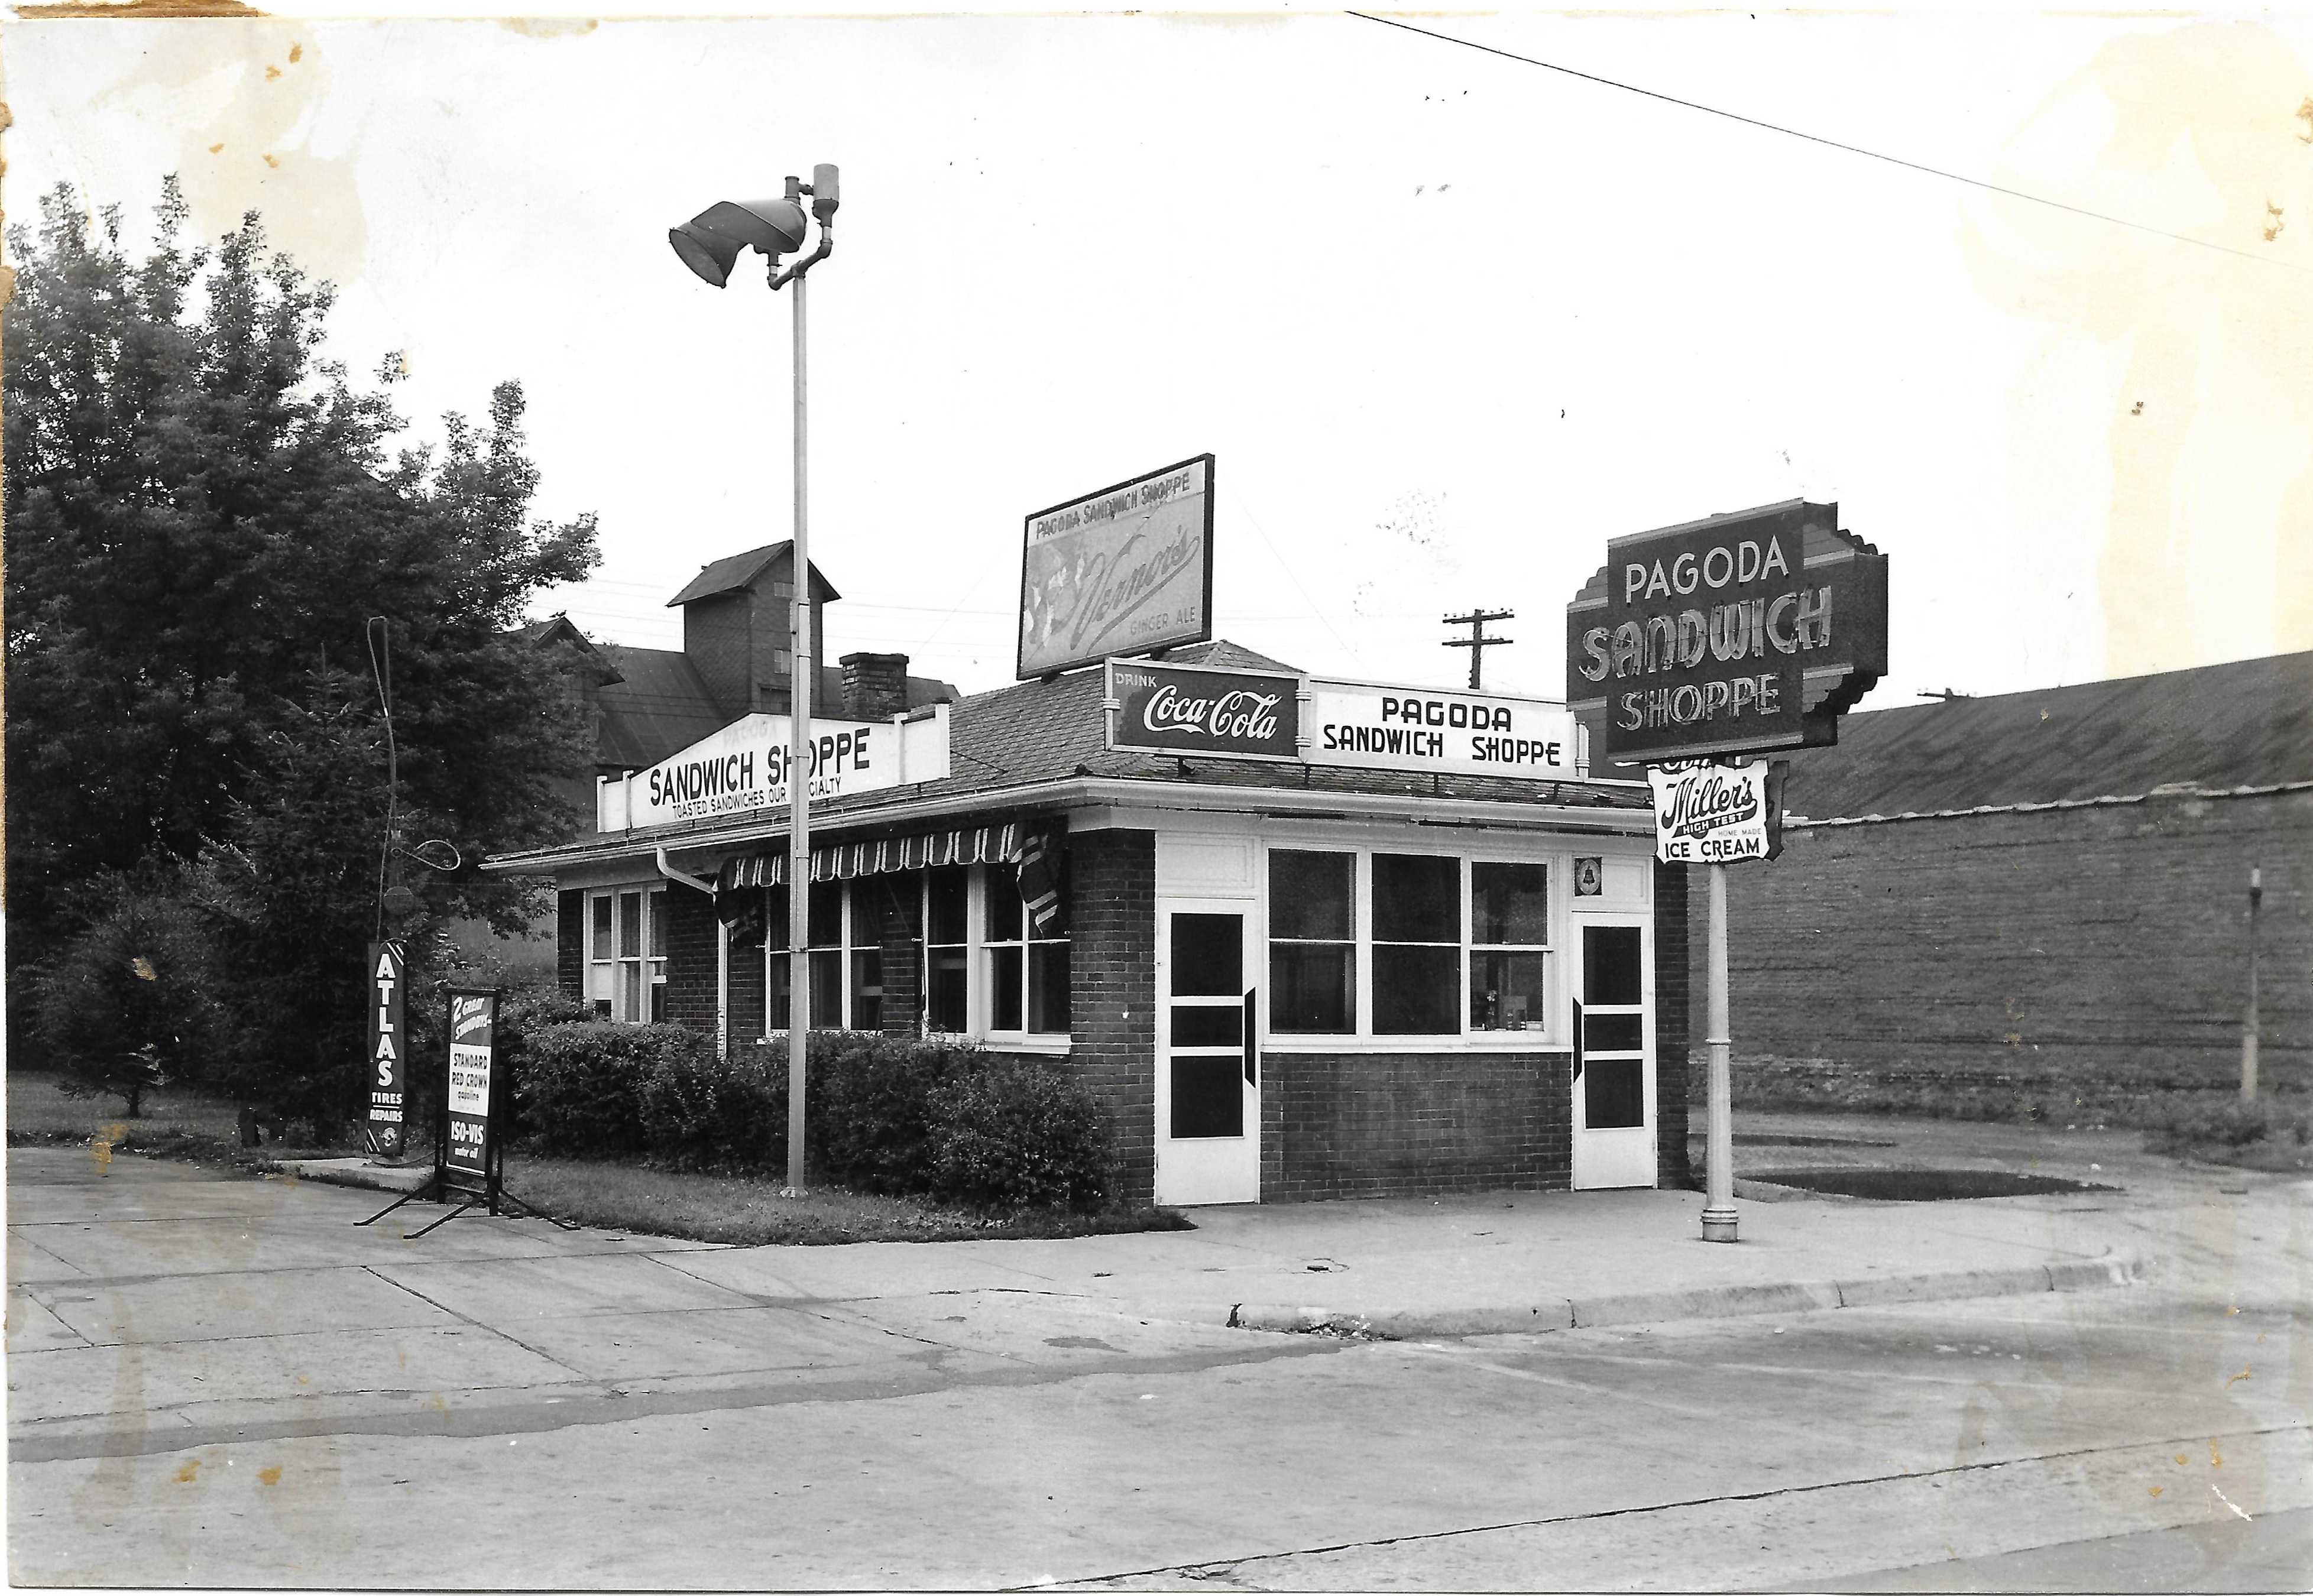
(1921, 1185)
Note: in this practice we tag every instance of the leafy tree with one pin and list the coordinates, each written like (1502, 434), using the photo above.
(126, 1005)
(202, 516)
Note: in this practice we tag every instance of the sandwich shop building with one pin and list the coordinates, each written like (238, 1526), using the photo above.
(1302, 939)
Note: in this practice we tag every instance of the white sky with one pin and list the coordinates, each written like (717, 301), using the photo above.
(1447, 321)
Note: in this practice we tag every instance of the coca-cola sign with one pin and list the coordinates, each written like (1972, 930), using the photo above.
(1712, 812)
(1194, 709)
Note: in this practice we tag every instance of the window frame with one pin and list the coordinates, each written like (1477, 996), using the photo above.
(605, 987)
(988, 882)
(1556, 863)
(852, 939)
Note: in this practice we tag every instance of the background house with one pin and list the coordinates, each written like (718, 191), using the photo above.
(2038, 892)
(647, 703)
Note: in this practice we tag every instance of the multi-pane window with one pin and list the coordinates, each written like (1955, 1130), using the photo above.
(1417, 944)
(947, 948)
(1027, 974)
(1313, 951)
(626, 953)
(843, 950)
(1509, 941)
(1380, 944)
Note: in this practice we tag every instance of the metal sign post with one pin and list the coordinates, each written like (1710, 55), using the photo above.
(1699, 644)
(388, 1051)
(469, 1150)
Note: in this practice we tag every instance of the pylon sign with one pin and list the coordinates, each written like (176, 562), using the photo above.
(388, 1048)
(1735, 634)
(469, 1157)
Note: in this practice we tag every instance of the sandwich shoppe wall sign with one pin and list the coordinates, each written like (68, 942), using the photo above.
(746, 767)
(1741, 633)
(1160, 709)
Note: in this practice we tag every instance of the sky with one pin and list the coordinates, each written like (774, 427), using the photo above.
(1447, 321)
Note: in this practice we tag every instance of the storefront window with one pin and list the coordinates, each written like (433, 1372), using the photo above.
(947, 950)
(1312, 942)
(843, 939)
(1509, 934)
(1417, 944)
(1027, 974)
(626, 955)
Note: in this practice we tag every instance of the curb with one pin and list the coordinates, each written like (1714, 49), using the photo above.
(1724, 1301)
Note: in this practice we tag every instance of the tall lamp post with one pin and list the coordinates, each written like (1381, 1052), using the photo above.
(709, 244)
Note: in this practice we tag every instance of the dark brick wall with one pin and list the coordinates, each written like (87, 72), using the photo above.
(746, 987)
(690, 937)
(1382, 1123)
(1673, 1043)
(899, 907)
(2103, 946)
(570, 942)
(1112, 991)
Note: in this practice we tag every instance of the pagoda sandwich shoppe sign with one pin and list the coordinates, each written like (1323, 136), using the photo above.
(1696, 648)
(1735, 634)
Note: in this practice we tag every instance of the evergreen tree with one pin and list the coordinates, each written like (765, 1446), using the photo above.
(202, 516)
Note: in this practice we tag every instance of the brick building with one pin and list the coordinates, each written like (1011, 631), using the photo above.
(2040, 891)
(1283, 980)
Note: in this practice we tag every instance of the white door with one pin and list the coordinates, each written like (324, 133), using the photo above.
(1208, 1059)
(1613, 1052)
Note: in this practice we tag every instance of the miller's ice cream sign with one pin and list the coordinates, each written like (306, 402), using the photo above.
(1715, 813)
(1741, 633)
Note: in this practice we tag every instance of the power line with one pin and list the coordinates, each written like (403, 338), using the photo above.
(1816, 138)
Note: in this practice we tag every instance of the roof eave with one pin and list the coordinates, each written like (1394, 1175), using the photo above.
(1119, 791)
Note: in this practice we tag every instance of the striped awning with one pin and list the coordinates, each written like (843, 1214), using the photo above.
(840, 862)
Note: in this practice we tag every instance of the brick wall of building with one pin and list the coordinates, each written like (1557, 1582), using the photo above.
(1673, 1036)
(691, 930)
(1112, 991)
(1386, 1124)
(717, 635)
(570, 942)
(2105, 945)
(899, 902)
(746, 988)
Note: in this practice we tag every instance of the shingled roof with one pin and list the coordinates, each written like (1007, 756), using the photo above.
(735, 571)
(1051, 729)
(2246, 724)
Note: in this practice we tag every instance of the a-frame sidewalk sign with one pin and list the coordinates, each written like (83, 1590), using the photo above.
(469, 1143)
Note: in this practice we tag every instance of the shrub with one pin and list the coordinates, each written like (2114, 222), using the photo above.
(870, 1105)
(2184, 1123)
(699, 1111)
(1016, 1133)
(580, 1091)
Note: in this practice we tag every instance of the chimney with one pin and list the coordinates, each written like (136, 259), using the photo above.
(874, 686)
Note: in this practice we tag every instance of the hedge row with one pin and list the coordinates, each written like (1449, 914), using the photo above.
(883, 1114)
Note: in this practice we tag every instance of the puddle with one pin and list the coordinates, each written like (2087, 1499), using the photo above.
(1921, 1185)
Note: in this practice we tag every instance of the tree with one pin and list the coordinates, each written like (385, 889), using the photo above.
(202, 516)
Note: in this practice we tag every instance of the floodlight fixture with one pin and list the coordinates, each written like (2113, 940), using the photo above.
(709, 244)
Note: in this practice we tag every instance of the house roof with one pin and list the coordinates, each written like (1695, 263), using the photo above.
(2246, 724)
(658, 705)
(560, 628)
(1012, 746)
(735, 571)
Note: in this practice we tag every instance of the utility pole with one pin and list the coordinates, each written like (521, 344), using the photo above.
(2248, 1026)
(1477, 642)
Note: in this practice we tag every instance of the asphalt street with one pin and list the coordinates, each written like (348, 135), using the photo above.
(221, 1381)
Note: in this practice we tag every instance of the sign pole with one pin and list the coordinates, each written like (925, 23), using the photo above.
(1719, 1197)
(2249, 1029)
(799, 677)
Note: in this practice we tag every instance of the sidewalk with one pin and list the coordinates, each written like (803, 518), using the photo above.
(1486, 1264)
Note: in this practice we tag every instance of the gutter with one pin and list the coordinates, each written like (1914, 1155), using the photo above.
(1088, 792)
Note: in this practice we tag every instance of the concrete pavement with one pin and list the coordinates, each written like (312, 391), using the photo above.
(223, 1380)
